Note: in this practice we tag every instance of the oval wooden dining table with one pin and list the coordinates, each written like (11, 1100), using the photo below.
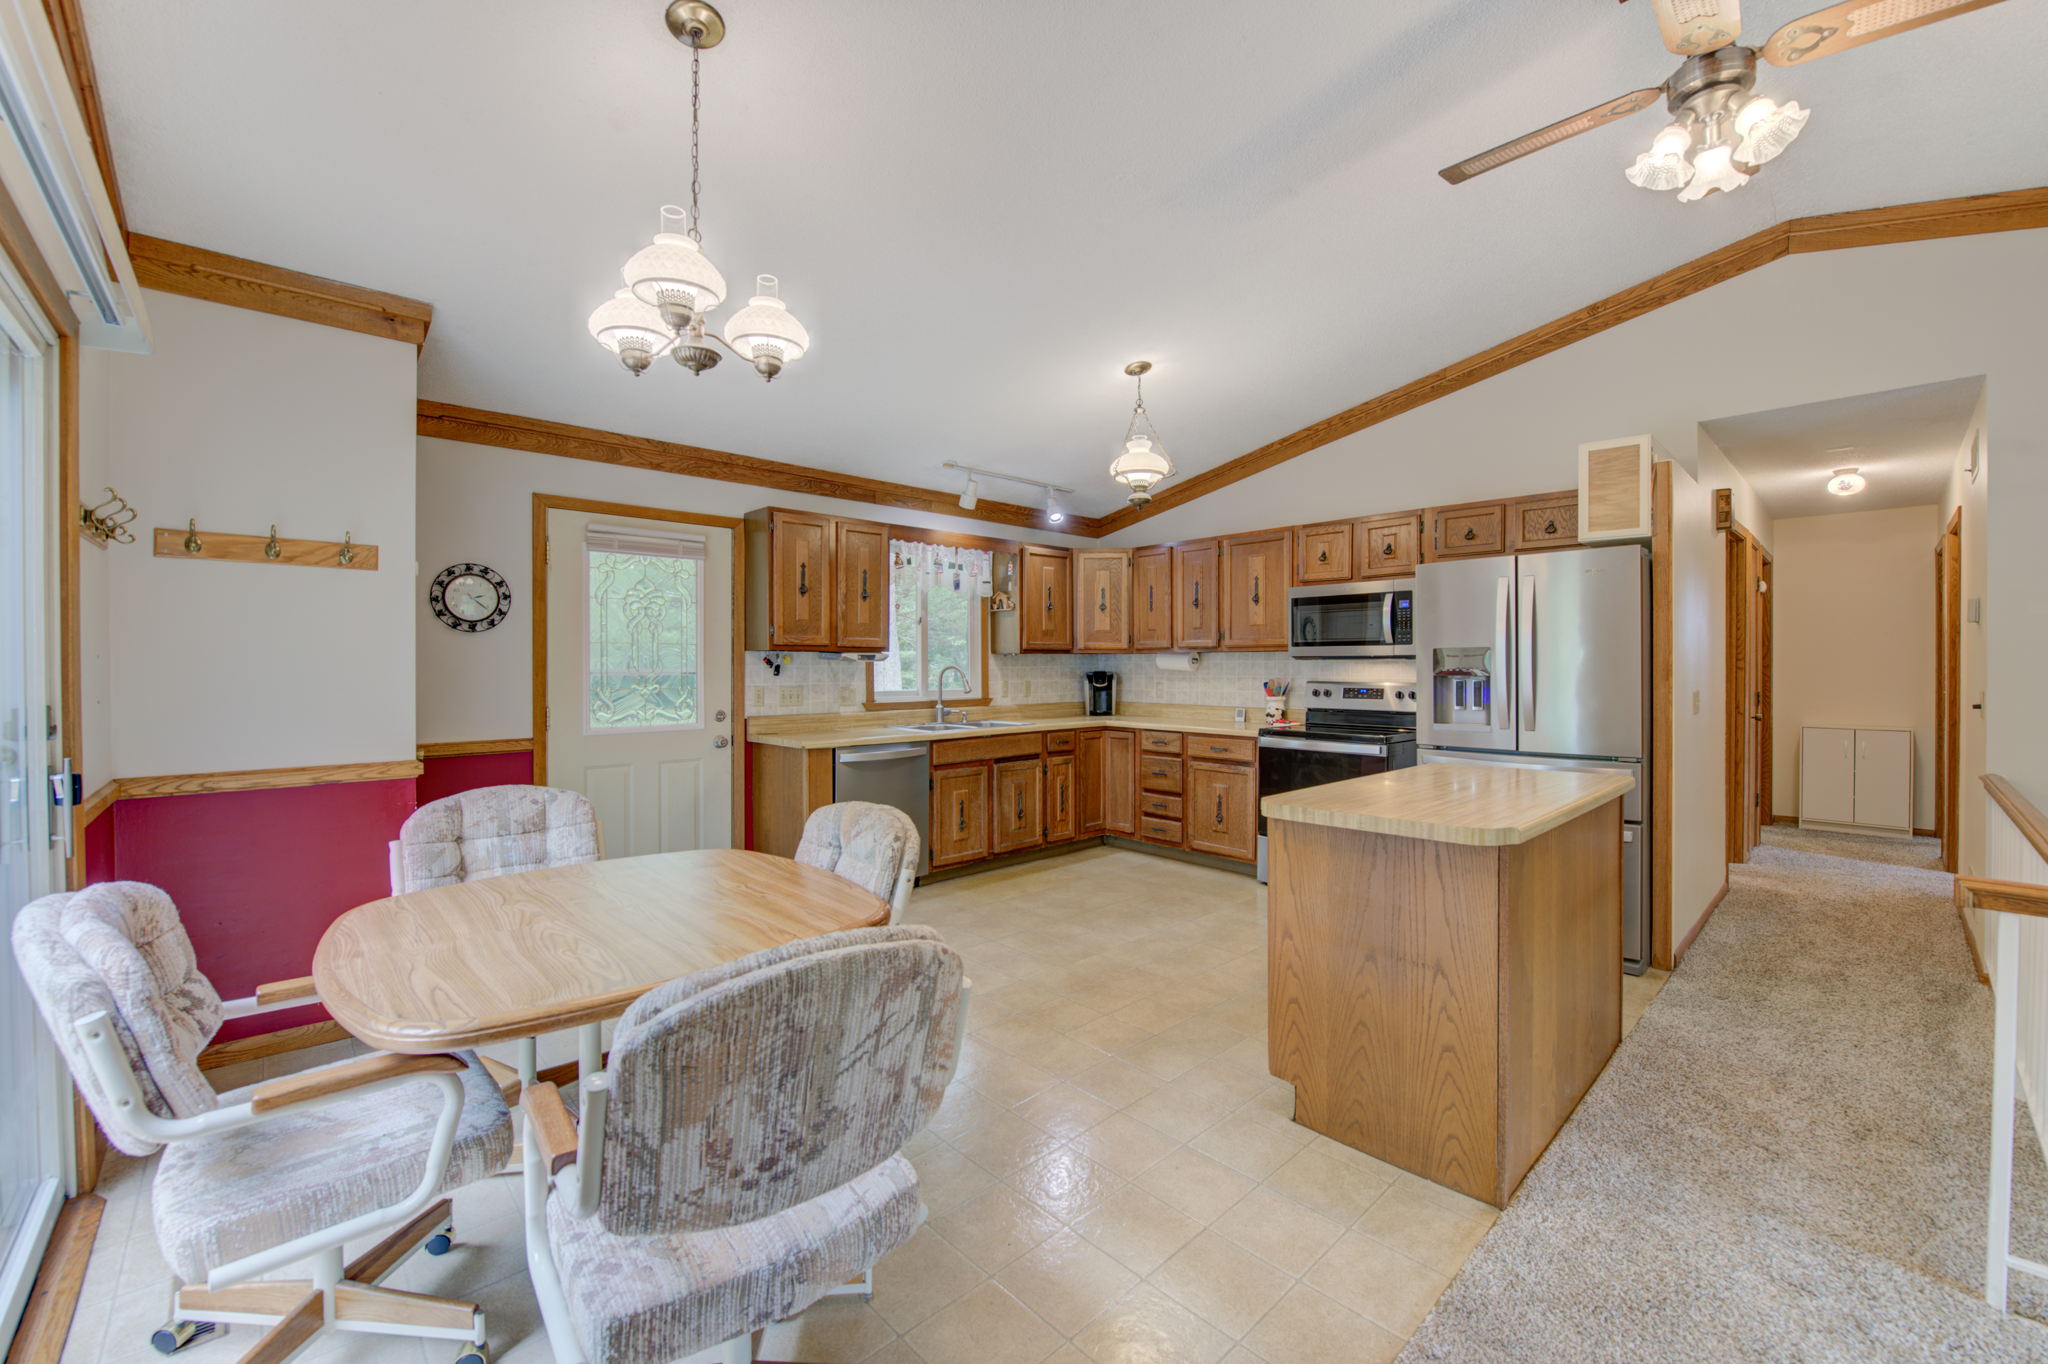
(536, 952)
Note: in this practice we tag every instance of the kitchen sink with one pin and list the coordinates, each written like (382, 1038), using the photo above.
(993, 724)
(930, 727)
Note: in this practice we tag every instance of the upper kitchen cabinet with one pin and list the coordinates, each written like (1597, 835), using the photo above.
(1255, 569)
(1545, 521)
(1102, 605)
(1389, 546)
(861, 566)
(1323, 553)
(1614, 489)
(1152, 597)
(1045, 599)
(789, 580)
(1197, 616)
(1468, 529)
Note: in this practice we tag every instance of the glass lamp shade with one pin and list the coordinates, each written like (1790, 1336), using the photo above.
(1845, 482)
(1765, 128)
(673, 274)
(1713, 169)
(1664, 166)
(765, 331)
(629, 329)
(1141, 467)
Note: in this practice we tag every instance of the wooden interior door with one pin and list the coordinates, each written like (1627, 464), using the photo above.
(1744, 708)
(1948, 600)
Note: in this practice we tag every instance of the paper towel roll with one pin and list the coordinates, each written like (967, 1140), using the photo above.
(1178, 663)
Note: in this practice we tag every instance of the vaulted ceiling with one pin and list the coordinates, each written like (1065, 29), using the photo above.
(983, 211)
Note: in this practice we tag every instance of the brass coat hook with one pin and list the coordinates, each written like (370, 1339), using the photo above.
(348, 549)
(193, 544)
(109, 520)
(271, 549)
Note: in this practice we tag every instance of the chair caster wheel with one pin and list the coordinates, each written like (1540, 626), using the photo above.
(168, 1340)
(441, 1242)
(473, 1355)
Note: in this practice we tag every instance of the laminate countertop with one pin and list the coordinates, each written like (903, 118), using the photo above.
(826, 737)
(1477, 804)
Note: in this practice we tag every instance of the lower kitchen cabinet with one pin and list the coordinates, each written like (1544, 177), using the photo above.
(1119, 781)
(1222, 814)
(1088, 781)
(959, 825)
(1019, 805)
(1062, 809)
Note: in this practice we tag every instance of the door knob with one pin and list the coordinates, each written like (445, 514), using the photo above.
(718, 717)
(721, 742)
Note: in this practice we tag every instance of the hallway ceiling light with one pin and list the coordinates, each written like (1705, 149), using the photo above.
(1845, 482)
(972, 493)
(1144, 463)
(671, 286)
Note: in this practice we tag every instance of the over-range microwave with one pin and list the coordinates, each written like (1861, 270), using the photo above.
(1352, 620)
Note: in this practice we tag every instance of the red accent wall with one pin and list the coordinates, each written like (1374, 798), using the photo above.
(99, 847)
(450, 776)
(258, 875)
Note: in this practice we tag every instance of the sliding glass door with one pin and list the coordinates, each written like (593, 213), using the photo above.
(32, 1091)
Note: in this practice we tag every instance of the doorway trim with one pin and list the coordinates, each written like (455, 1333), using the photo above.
(1948, 689)
(1748, 590)
(543, 503)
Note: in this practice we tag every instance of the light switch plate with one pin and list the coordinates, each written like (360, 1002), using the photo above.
(1695, 700)
(1240, 714)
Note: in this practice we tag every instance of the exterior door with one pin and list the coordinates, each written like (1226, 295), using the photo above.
(639, 668)
(33, 1096)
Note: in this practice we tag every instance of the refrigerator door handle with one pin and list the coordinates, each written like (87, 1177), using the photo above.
(1526, 653)
(1503, 669)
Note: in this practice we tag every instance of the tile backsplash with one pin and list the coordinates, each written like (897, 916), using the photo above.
(815, 685)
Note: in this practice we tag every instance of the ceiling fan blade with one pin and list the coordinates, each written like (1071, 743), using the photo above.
(1555, 133)
(1854, 23)
(1691, 27)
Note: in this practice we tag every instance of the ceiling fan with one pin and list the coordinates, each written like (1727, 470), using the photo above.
(1721, 132)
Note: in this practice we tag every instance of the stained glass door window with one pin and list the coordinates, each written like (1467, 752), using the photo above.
(645, 632)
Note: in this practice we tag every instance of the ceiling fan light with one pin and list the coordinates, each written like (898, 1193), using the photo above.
(672, 274)
(1765, 128)
(765, 331)
(1713, 169)
(1664, 166)
(629, 329)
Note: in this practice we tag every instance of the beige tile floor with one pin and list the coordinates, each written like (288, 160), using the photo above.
(1113, 1176)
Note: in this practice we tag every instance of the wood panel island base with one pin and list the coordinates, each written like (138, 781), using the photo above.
(1444, 962)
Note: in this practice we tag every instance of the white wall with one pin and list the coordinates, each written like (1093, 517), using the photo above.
(241, 420)
(1970, 494)
(1803, 329)
(1853, 637)
(95, 568)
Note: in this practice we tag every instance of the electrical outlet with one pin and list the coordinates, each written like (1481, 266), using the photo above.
(1240, 714)
(1695, 701)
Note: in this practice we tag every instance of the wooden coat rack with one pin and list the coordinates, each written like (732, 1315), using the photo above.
(193, 543)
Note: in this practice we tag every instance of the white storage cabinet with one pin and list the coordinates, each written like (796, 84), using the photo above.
(1856, 780)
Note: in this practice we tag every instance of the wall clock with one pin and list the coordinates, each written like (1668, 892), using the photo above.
(469, 597)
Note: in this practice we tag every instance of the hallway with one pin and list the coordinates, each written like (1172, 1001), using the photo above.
(1786, 1159)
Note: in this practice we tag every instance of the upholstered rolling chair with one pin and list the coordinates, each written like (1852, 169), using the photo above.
(493, 831)
(874, 846)
(741, 1155)
(274, 1176)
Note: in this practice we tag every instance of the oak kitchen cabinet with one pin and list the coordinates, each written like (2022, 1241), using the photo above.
(1323, 554)
(1152, 597)
(1389, 546)
(1254, 572)
(1102, 606)
(1119, 782)
(1197, 619)
(816, 582)
(959, 822)
(1546, 521)
(1088, 781)
(1018, 813)
(1045, 599)
(1222, 808)
(1062, 800)
(1471, 528)
(861, 565)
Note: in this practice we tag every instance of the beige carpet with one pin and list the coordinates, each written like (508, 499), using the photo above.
(1924, 853)
(1785, 1161)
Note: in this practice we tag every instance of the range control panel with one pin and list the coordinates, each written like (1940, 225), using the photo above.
(1363, 695)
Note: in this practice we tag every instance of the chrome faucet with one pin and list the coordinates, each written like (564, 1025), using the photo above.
(939, 710)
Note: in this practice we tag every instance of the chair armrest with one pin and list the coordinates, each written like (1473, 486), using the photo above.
(285, 991)
(551, 1124)
(310, 1085)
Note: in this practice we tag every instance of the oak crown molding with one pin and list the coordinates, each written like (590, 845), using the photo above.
(195, 272)
(446, 421)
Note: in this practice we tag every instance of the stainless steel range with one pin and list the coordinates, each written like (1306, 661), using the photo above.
(1354, 729)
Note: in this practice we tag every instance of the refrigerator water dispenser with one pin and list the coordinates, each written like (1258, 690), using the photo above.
(1464, 687)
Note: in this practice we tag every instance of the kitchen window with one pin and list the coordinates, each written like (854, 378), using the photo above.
(938, 617)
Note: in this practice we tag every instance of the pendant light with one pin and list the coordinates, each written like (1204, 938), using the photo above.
(1144, 463)
(671, 286)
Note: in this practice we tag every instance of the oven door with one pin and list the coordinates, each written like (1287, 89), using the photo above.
(1287, 763)
(1348, 622)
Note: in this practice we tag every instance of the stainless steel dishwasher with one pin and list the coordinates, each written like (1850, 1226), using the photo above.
(890, 774)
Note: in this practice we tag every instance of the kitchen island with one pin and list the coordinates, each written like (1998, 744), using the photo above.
(1444, 961)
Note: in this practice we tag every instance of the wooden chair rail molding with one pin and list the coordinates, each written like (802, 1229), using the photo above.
(470, 748)
(195, 272)
(197, 783)
(2029, 820)
(445, 421)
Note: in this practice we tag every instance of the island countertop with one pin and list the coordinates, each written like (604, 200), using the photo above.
(1477, 804)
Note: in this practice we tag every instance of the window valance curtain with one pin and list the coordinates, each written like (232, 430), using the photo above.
(943, 568)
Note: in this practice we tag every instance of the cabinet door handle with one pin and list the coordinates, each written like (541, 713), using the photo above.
(1255, 589)
(1387, 549)
(1102, 599)
(1148, 599)
(1198, 596)
(803, 579)
(1470, 533)
(1550, 527)
(1219, 809)
(1322, 556)
(1048, 600)
(863, 584)
(1063, 802)
(961, 807)
(1020, 809)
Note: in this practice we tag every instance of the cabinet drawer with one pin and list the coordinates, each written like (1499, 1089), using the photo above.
(1159, 774)
(1062, 741)
(1222, 748)
(991, 749)
(1159, 830)
(1156, 806)
(1159, 741)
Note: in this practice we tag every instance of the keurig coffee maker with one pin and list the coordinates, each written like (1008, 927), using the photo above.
(1101, 693)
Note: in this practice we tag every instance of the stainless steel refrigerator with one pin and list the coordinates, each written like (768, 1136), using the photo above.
(1542, 660)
